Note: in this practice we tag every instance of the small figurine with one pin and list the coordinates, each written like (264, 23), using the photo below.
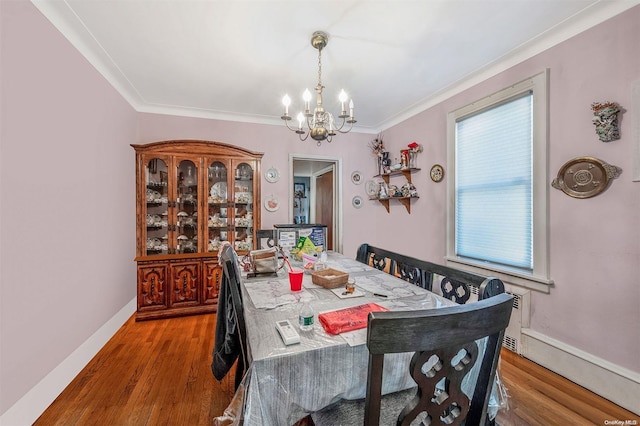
(409, 190)
(383, 191)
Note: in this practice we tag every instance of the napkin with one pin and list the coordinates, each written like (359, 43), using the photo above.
(348, 319)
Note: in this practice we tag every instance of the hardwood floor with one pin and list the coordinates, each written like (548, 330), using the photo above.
(150, 373)
(539, 397)
(158, 373)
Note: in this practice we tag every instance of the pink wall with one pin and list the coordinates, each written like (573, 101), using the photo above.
(595, 242)
(67, 205)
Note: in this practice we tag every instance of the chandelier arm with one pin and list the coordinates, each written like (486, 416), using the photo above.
(339, 128)
(306, 136)
(346, 131)
(345, 121)
(286, 122)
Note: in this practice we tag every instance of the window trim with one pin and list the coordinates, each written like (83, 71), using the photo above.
(539, 279)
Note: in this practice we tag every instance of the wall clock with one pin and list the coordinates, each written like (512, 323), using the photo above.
(272, 175)
(437, 173)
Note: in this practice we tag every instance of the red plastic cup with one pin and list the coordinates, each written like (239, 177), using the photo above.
(295, 279)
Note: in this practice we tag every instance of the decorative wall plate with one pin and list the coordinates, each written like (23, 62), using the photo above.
(585, 177)
(271, 203)
(437, 173)
(272, 175)
(356, 177)
(357, 201)
(372, 187)
(219, 190)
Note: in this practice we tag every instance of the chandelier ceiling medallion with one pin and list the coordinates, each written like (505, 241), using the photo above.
(319, 123)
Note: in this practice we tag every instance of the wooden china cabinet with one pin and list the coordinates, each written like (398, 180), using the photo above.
(191, 196)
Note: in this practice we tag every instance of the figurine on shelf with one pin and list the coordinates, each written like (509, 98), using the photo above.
(414, 149)
(409, 190)
(383, 191)
(404, 158)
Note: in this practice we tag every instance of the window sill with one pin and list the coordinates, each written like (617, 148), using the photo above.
(530, 282)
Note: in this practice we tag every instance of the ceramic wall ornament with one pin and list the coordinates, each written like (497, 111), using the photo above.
(606, 120)
(585, 177)
(437, 173)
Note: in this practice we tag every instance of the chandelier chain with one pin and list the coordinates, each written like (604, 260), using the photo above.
(320, 67)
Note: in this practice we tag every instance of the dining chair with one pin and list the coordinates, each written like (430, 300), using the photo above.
(380, 262)
(230, 338)
(445, 344)
(412, 274)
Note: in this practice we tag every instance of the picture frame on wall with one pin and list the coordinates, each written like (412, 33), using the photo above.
(299, 190)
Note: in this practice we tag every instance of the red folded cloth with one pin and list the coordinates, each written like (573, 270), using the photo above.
(348, 319)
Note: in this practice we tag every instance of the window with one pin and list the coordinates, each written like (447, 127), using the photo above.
(498, 190)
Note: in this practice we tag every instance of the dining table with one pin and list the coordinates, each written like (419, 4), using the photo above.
(285, 383)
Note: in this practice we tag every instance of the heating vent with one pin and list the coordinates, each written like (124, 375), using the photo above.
(511, 344)
(519, 315)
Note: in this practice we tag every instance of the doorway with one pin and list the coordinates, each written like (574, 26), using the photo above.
(323, 175)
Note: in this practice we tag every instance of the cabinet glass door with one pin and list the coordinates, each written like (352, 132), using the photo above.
(243, 207)
(217, 205)
(186, 211)
(157, 203)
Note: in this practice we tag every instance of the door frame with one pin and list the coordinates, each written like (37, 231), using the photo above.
(337, 192)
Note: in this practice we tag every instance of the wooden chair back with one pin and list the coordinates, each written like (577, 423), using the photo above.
(455, 284)
(444, 339)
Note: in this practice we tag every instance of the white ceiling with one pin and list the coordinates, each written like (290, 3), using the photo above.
(235, 60)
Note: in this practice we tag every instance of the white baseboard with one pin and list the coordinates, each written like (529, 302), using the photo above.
(28, 408)
(615, 383)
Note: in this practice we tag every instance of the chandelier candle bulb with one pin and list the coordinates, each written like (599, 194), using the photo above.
(351, 109)
(286, 101)
(343, 99)
(307, 98)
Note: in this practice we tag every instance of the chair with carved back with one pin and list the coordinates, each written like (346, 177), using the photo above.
(455, 284)
(371, 256)
(411, 273)
(445, 344)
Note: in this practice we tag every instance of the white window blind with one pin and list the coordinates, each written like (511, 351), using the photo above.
(494, 184)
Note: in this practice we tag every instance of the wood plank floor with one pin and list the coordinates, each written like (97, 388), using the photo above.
(158, 373)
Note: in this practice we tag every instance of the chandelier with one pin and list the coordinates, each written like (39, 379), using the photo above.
(319, 123)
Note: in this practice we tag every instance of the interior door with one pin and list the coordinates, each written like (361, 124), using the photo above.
(324, 204)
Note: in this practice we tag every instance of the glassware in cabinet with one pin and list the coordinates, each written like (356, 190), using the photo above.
(217, 205)
(186, 208)
(157, 207)
(243, 202)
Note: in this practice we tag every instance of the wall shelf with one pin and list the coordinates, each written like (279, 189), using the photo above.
(404, 172)
(405, 201)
